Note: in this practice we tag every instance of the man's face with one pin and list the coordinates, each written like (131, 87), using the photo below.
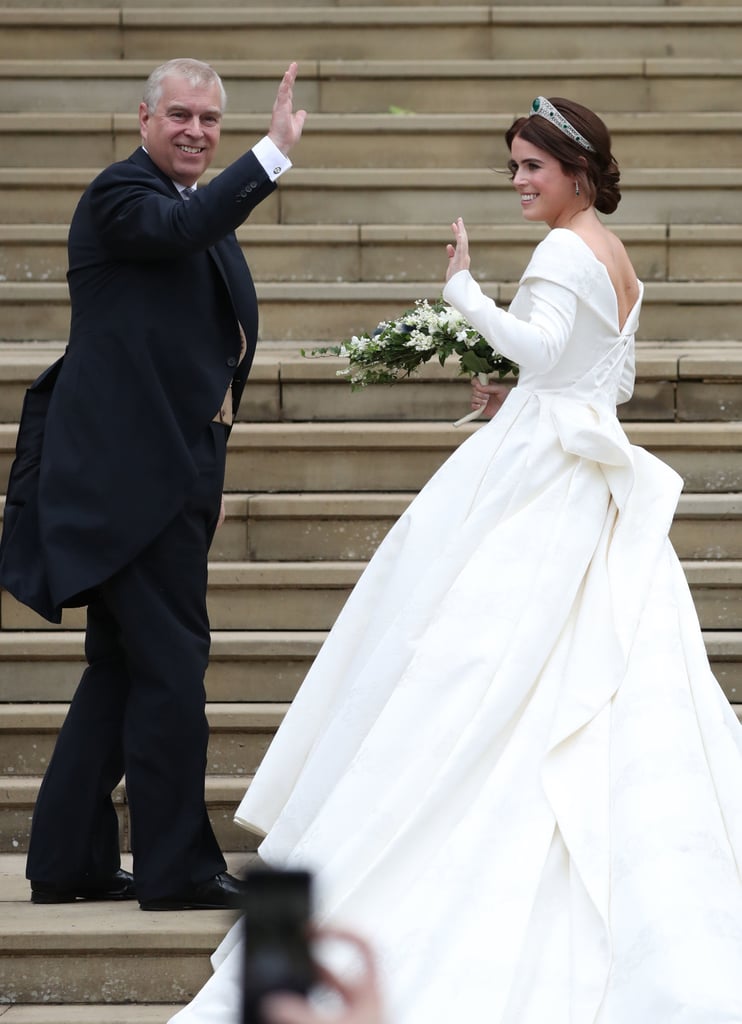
(182, 134)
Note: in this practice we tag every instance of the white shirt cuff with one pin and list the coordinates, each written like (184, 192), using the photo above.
(272, 159)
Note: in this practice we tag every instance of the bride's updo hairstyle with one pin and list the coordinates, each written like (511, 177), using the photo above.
(595, 168)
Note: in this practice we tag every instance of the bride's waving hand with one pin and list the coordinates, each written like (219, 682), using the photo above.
(458, 254)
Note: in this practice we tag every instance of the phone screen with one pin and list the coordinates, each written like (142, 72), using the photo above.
(277, 911)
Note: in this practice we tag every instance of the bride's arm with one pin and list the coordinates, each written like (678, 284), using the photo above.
(536, 343)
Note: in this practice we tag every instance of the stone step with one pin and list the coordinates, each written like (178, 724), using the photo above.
(315, 527)
(707, 527)
(393, 196)
(223, 794)
(239, 736)
(676, 381)
(329, 312)
(59, 960)
(476, 32)
(460, 86)
(371, 457)
(136, 4)
(402, 457)
(260, 666)
(349, 527)
(264, 596)
(325, 253)
(265, 667)
(84, 1013)
(310, 595)
(373, 140)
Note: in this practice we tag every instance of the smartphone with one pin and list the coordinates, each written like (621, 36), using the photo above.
(277, 910)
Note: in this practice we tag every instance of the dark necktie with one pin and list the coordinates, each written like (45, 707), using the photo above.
(186, 193)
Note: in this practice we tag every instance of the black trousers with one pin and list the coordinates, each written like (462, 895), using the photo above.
(139, 711)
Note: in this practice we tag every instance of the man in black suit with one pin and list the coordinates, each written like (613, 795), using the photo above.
(116, 491)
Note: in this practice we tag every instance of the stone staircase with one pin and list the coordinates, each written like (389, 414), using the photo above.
(394, 149)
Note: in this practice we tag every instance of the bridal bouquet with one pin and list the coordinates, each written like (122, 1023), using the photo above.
(396, 348)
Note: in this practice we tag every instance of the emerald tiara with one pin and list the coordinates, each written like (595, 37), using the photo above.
(543, 108)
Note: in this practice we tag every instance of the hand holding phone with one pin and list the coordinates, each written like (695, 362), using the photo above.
(359, 995)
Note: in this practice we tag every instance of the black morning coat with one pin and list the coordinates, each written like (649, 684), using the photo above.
(103, 459)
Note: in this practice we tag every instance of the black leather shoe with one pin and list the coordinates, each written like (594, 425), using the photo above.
(120, 886)
(222, 892)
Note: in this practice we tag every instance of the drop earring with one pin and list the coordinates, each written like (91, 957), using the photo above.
(577, 188)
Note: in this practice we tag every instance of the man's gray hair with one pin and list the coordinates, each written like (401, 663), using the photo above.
(195, 71)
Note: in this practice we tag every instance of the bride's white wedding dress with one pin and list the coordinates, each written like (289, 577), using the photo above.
(510, 765)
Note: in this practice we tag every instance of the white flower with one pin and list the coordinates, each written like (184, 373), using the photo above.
(451, 318)
(420, 341)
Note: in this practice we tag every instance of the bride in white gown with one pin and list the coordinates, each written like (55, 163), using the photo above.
(510, 765)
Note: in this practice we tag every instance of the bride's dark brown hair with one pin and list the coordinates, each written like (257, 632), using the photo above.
(597, 172)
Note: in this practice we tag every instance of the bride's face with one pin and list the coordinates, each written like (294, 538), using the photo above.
(547, 192)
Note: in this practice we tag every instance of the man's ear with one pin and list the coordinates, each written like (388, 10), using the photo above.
(143, 120)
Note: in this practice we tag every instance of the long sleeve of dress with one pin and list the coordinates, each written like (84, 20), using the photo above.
(536, 343)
